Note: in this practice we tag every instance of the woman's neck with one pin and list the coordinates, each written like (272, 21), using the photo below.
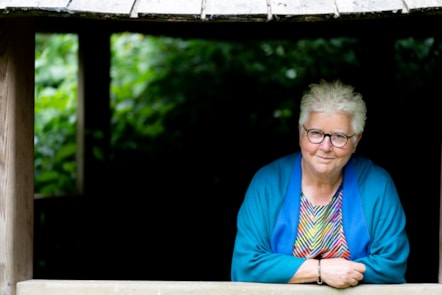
(320, 189)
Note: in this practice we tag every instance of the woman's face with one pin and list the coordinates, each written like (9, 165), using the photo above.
(324, 158)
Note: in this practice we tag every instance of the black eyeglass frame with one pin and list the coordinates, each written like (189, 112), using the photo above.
(324, 135)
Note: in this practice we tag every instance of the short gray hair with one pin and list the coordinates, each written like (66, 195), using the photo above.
(332, 97)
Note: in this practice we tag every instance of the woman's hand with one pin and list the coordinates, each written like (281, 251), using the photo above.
(341, 273)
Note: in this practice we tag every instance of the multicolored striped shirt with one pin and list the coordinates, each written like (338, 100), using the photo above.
(320, 230)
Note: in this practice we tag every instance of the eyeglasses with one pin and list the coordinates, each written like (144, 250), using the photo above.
(317, 136)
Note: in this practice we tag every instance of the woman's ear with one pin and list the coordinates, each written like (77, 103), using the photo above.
(358, 138)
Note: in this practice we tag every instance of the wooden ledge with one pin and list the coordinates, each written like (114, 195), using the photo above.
(90, 287)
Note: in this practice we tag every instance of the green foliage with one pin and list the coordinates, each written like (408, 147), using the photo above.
(160, 83)
(55, 119)
(177, 94)
(137, 112)
(158, 80)
(417, 58)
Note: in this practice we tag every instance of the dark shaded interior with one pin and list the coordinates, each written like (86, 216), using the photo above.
(173, 217)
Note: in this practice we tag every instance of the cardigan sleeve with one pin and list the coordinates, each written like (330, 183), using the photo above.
(385, 217)
(253, 259)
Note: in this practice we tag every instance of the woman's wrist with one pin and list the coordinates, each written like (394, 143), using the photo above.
(319, 279)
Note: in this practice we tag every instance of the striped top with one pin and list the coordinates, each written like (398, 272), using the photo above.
(320, 230)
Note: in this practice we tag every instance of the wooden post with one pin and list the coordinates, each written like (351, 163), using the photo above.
(17, 37)
(93, 112)
(440, 222)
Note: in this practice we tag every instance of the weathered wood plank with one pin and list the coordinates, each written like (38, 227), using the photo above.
(236, 7)
(303, 7)
(351, 6)
(214, 9)
(53, 287)
(117, 7)
(169, 7)
(422, 4)
(16, 152)
(34, 4)
(440, 222)
(232, 8)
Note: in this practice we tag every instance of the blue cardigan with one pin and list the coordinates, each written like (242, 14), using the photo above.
(374, 223)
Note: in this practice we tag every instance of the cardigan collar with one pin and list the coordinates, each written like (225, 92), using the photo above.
(355, 228)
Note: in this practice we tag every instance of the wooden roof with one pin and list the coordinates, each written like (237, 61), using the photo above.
(220, 10)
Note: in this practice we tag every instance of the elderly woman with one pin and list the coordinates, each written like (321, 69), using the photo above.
(323, 215)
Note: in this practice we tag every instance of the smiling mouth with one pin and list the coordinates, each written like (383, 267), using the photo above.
(325, 158)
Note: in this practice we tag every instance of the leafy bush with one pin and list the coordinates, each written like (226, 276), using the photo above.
(55, 113)
(170, 95)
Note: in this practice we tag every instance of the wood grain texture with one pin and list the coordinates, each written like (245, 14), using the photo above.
(423, 4)
(117, 7)
(349, 6)
(16, 152)
(167, 7)
(228, 10)
(34, 3)
(303, 7)
(65, 287)
(236, 7)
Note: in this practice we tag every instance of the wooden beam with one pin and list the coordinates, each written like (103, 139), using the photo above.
(16, 152)
(54, 287)
(116, 7)
(226, 10)
(440, 222)
(374, 6)
(93, 112)
(34, 4)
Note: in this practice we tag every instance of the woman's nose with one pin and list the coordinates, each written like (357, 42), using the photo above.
(326, 143)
